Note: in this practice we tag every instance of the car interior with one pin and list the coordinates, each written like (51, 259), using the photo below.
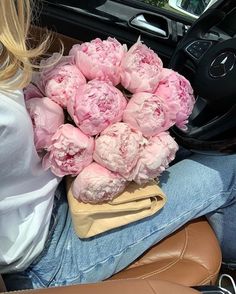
(189, 260)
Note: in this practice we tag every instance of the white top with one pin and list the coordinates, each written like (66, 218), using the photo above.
(26, 191)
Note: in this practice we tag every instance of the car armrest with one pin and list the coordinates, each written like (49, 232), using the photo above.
(117, 287)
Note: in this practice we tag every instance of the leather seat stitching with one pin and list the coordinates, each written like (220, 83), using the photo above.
(212, 275)
(171, 263)
(160, 270)
(148, 275)
(207, 269)
(185, 243)
(152, 289)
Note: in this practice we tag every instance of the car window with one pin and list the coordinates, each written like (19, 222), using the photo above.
(190, 8)
(195, 7)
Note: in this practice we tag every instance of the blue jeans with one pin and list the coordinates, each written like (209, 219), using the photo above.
(198, 185)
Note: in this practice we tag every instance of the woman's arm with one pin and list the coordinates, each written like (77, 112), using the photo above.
(26, 194)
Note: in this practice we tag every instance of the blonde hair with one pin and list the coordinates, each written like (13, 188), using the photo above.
(15, 17)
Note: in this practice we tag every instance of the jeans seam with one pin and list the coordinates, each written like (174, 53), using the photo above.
(54, 220)
(33, 275)
(50, 282)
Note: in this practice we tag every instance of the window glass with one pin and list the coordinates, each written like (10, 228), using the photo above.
(190, 8)
(165, 4)
(193, 6)
(159, 3)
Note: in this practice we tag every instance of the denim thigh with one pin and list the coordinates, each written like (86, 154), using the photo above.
(194, 187)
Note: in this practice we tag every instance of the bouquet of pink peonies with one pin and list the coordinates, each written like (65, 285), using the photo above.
(102, 114)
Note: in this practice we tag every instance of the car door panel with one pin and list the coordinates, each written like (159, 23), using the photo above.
(157, 28)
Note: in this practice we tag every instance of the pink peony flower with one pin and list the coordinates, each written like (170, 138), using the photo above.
(99, 59)
(46, 117)
(96, 106)
(154, 158)
(149, 114)
(177, 92)
(97, 184)
(32, 91)
(118, 147)
(47, 66)
(69, 152)
(141, 69)
(61, 80)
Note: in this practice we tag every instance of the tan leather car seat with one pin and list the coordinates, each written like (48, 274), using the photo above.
(190, 256)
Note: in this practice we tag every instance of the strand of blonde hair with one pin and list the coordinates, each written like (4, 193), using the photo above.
(15, 17)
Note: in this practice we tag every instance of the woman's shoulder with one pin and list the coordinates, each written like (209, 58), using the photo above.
(13, 99)
(14, 118)
(15, 96)
(12, 94)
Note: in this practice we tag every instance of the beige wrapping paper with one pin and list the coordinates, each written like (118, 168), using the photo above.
(135, 203)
